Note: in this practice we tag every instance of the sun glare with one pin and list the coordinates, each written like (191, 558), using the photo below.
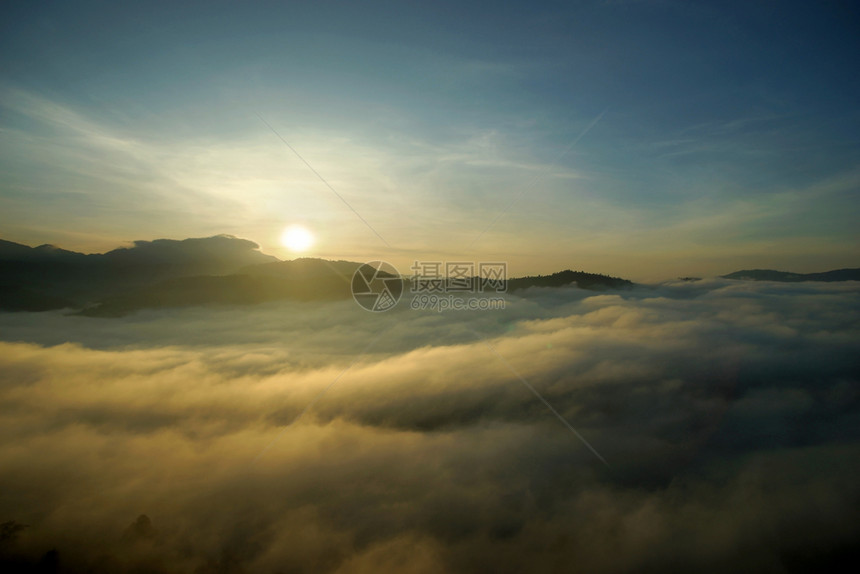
(297, 238)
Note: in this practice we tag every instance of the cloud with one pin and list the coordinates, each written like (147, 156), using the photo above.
(428, 192)
(246, 182)
(727, 412)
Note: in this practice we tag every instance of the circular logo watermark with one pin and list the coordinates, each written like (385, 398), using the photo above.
(377, 286)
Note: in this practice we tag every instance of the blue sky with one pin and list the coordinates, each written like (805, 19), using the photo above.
(642, 139)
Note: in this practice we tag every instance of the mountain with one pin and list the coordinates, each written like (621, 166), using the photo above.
(166, 273)
(216, 255)
(298, 280)
(47, 277)
(786, 277)
(303, 279)
(303, 268)
(220, 290)
(19, 298)
(10, 251)
(565, 278)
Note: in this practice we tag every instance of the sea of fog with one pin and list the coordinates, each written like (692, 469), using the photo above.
(707, 426)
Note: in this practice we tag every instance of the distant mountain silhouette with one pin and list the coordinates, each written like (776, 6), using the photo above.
(47, 277)
(206, 255)
(165, 273)
(10, 251)
(212, 255)
(565, 278)
(784, 276)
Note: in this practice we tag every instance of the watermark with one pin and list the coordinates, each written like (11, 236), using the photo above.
(435, 285)
(428, 302)
(377, 286)
(459, 277)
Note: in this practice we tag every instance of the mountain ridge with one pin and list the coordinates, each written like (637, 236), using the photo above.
(168, 273)
(846, 274)
(48, 277)
(223, 269)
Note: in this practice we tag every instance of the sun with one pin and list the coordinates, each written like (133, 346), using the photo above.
(297, 238)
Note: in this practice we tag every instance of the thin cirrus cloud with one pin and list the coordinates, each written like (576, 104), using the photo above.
(104, 168)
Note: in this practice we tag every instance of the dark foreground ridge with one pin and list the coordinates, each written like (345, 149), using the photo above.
(787, 277)
(220, 270)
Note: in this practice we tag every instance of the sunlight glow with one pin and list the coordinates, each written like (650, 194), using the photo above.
(297, 238)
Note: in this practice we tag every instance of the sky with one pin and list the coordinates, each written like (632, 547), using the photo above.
(643, 139)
